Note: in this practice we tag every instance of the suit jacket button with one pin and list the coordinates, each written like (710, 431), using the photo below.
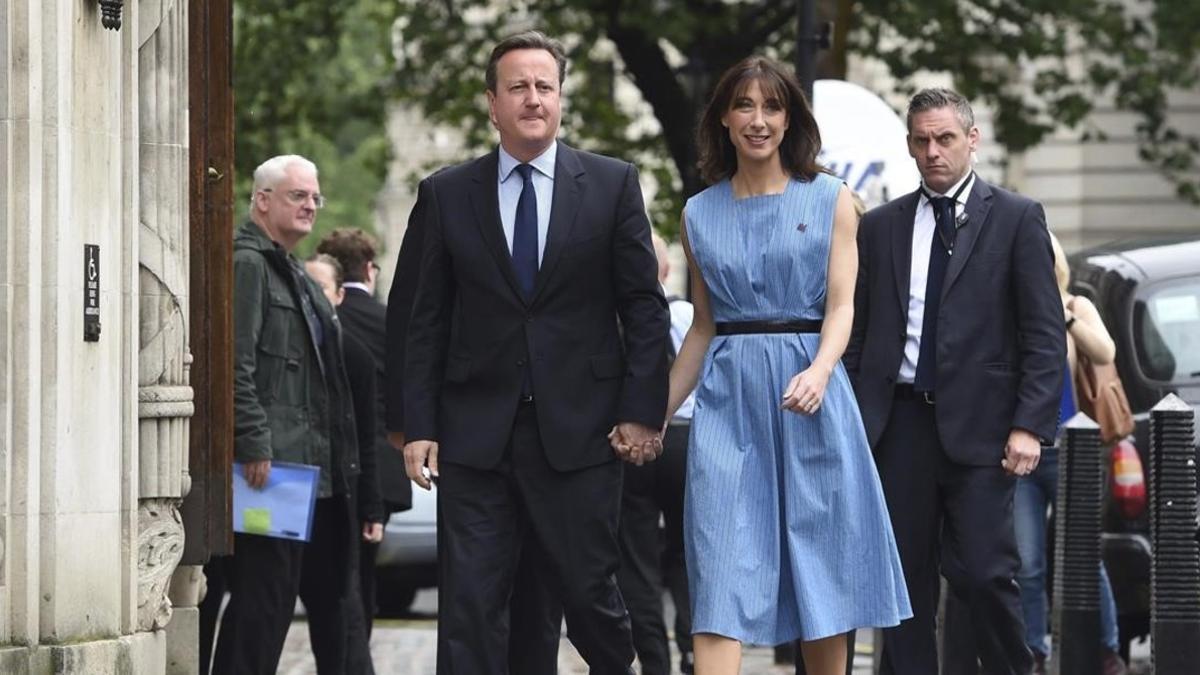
(520, 362)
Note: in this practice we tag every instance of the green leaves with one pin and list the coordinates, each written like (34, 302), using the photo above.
(311, 77)
(316, 77)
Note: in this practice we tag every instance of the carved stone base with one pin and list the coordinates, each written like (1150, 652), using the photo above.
(160, 547)
(183, 642)
(188, 586)
(126, 655)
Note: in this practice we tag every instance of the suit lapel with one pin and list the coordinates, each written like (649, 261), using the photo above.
(564, 207)
(485, 201)
(902, 236)
(979, 204)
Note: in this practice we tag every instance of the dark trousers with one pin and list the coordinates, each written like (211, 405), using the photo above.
(651, 559)
(268, 574)
(486, 516)
(962, 515)
(366, 581)
(536, 615)
(358, 623)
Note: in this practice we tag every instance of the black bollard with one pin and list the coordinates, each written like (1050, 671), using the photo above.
(1076, 617)
(1175, 570)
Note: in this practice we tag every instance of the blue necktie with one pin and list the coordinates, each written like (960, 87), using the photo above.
(525, 233)
(939, 258)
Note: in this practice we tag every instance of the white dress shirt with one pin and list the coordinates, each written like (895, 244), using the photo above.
(681, 320)
(924, 226)
(509, 184)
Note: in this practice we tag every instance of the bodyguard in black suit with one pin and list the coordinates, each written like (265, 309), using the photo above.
(514, 371)
(366, 319)
(956, 355)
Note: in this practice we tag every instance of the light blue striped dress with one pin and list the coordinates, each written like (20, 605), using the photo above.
(787, 533)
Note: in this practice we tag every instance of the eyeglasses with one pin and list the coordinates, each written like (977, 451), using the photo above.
(298, 197)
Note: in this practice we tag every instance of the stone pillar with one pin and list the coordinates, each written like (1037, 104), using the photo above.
(69, 427)
(164, 395)
(93, 434)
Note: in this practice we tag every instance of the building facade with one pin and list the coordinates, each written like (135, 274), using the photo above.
(95, 337)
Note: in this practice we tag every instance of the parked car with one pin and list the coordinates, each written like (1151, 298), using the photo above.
(1148, 293)
(407, 560)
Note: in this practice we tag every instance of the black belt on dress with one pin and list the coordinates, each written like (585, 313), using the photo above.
(753, 327)
(906, 392)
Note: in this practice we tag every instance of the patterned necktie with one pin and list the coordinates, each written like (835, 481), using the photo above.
(939, 259)
(525, 233)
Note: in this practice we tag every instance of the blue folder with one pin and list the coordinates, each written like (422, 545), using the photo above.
(283, 508)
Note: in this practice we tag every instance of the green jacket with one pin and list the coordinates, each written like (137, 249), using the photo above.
(291, 397)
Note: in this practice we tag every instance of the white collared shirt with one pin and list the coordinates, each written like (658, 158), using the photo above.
(509, 184)
(924, 226)
(682, 313)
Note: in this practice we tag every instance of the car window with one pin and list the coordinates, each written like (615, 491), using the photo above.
(1166, 327)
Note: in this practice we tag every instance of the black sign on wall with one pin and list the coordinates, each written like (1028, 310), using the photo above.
(91, 293)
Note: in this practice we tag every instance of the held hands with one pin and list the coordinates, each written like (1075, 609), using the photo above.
(418, 455)
(636, 443)
(1021, 453)
(806, 390)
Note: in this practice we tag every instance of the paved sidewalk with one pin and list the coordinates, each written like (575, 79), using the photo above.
(408, 647)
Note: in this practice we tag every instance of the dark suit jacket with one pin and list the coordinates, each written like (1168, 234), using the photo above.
(472, 334)
(1001, 344)
(360, 372)
(366, 319)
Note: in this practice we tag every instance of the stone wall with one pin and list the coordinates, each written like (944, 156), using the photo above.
(92, 151)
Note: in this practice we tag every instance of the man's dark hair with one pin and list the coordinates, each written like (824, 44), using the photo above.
(801, 142)
(353, 249)
(940, 97)
(530, 39)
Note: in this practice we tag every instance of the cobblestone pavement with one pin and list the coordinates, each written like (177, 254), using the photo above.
(408, 647)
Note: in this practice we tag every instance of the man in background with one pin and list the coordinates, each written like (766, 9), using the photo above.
(292, 403)
(365, 318)
(652, 557)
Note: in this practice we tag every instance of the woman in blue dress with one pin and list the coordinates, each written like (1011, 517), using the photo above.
(787, 533)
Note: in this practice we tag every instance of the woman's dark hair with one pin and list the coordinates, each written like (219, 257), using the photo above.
(801, 142)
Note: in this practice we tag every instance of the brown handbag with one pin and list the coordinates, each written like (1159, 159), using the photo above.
(1099, 394)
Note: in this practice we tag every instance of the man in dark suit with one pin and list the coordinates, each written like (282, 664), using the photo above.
(366, 319)
(514, 371)
(957, 356)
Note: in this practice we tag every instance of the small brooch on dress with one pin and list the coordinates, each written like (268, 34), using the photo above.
(802, 227)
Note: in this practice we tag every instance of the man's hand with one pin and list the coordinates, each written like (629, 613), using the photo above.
(418, 455)
(372, 533)
(1021, 453)
(396, 439)
(636, 443)
(256, 473)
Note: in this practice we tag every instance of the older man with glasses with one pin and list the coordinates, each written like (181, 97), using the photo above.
(292, 403)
